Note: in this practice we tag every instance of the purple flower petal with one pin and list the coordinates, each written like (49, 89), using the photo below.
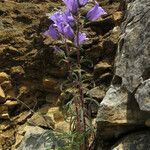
(52, 32)
(95, 12)
(68, 18)
(68, 31)
(83, 2)
(82, 37)
(59, 17)
(72, 5)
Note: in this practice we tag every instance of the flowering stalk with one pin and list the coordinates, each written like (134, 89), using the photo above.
(83, 128)
(67, 25)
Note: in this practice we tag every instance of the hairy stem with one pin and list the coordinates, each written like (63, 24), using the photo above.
(83, 129)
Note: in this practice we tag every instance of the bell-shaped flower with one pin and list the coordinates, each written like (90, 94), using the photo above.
(67, 31)
(59, 17)
(80, 39)
(72, 5)
(95, 12)
(83, 2)
(68, 18)
(52, 32)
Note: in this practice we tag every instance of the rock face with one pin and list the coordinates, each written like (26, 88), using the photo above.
(120, 111)
(37, 138)
(139, 140)
(133, 56)
(142, 95)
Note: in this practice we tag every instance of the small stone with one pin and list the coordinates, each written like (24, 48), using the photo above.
(97, 93)
(4, 112)
(3, 77)
(41, 120)
(6, 85)
(5, 125)
(101, 68)
(17, 71)
(10, 94)
(51, 84)
(117, 16)
(5, 116)
(22, 118)
(18, 139)
(10, 103)
(2, 95)
(106, 77)
(62, 126)
(57, 114)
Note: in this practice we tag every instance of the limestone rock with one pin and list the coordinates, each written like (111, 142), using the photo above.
(50, 118)
(17, 71)
(2, 95)
(46, 139)
(56, 113)
(142, 95)
(119, 113)
(5, 125)
(133, 55)
(7, 138)
(139, 140)
(51, 85)
(97, 93)
(10, 94)
(3, 77)
(118, 16)
(4, 112)
(11, 104)
(41, 120)
(106, 77)
(22, 117)
(6, 85)
(101, 67)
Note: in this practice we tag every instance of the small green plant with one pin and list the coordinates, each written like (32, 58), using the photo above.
(67, 27)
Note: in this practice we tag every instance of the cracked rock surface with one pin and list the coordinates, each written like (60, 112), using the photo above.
(126, 105)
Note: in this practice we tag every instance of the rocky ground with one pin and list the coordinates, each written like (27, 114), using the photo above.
(30, 75)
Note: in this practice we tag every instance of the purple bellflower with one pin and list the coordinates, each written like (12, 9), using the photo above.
(69, 18)
(73, 5)
(52, 32)
(83, 2)
(67, 31)
(62, 17)
(95, 12)
(63, 22)
(81, 38)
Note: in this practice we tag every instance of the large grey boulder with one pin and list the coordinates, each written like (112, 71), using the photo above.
(133, 56)
(135, 141)
(142, 95)
(37, 138)
(119, 112)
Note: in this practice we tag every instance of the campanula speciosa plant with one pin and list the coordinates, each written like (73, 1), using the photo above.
(67, 26)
